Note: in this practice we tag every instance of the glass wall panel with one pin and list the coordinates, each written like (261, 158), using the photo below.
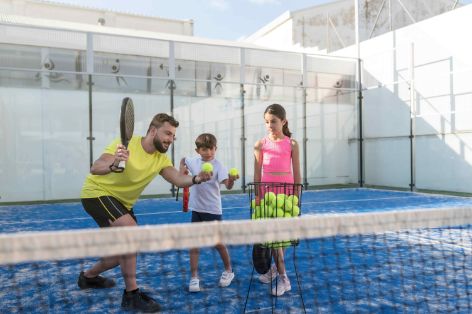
(45, 131)
(332, 148)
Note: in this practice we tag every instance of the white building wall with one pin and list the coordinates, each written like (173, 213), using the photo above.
(86, 15)
(437, 53)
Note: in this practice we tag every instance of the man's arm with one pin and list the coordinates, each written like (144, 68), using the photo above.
(172, 175)
(102, 165)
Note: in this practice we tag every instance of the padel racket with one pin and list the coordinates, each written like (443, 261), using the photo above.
(126, 126)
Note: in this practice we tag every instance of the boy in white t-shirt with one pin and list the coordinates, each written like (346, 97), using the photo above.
(205, 202)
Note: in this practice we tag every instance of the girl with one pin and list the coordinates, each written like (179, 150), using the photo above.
(277, 160)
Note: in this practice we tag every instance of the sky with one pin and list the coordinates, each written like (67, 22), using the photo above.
(216, 19)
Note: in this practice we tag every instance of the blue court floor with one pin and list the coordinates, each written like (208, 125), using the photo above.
(337, 275)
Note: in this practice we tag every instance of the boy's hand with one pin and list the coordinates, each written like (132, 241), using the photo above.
(233, 178)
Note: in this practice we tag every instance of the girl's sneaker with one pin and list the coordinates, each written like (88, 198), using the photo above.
(283, 285)
(269, 276)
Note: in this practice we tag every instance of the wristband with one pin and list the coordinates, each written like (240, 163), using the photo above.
(194, 181)
(114, 168)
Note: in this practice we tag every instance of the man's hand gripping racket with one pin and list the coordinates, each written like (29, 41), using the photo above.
(126, 127)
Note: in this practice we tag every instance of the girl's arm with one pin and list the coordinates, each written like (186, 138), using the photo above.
(296, 162)
(257, 161)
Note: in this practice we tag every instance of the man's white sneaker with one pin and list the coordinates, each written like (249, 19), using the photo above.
(283, 285)
(269, 276)
(226, 278)
(194, 285)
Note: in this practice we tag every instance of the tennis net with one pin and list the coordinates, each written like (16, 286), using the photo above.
(392, 261)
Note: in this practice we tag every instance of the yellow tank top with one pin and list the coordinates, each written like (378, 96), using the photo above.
(141, 169)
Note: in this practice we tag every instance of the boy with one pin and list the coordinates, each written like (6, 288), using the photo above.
(205, 202)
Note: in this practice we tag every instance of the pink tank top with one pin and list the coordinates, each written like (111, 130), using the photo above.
(276, 156)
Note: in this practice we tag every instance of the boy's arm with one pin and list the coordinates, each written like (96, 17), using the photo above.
(229, 183)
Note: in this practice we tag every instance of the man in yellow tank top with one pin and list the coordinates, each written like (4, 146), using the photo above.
(108, 196)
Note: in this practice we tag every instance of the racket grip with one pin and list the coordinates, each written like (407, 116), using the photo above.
(185, 200)
(122, 164)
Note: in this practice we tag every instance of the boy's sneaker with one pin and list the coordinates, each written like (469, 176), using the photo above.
(283, 285)
(226, 278)
(194, 285)
(269, 276)
(139, 301)
(98, 282)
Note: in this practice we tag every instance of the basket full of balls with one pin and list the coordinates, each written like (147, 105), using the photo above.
(270, 200)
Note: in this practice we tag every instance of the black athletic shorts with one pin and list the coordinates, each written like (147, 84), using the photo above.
(105, 209)
(199, 217)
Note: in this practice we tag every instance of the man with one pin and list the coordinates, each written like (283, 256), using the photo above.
(108, 195)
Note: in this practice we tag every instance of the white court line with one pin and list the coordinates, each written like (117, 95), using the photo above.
(224, 208)
(418, 239)
(363, 199)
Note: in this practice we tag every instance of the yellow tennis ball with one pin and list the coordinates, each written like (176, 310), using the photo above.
(295, 211)
(233, 172)
(288, 204)
(253, 204)
(270, 198)
(207, 167)
(269, 211)
(258, 211)
(280, 200)
(279, 213)
(287, 215)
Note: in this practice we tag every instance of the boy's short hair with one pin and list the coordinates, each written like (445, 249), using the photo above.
(205, 140)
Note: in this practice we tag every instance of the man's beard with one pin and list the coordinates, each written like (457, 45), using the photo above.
(158, 145)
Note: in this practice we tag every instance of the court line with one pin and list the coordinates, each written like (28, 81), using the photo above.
(224, 208)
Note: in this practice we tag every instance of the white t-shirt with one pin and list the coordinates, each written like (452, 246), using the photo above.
(206, 197)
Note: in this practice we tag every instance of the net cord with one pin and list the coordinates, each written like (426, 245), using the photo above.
(59, 245)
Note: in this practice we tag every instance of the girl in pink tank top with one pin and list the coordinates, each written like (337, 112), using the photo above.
(277, 159)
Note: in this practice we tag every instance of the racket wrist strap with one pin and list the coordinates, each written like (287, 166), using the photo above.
(114, 168)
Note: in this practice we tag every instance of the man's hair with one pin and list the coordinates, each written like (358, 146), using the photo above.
(205, 140)
(160, 118)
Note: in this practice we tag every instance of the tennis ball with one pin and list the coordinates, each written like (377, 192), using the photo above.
(207, 167)
(279, 213)
(270, 198)
(258, 211)
(280, 200)
(295, 211)
(262, 203)
(253, 204)
(288, 204)
(287, 215)
(269, 212)
(233, 172)
(253, 215)
(292, 200)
